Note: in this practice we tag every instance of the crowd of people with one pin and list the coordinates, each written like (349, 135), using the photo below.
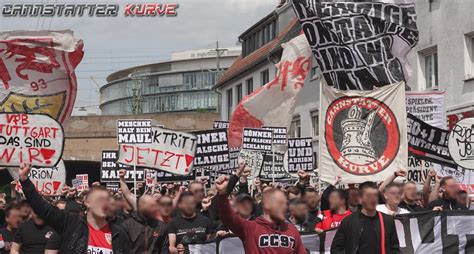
(167, 218)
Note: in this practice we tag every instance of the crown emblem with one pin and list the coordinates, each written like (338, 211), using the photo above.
(356, 146)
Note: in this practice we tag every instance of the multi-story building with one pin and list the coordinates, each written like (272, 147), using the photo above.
(184, 83)
(444, 57)
(261, 50)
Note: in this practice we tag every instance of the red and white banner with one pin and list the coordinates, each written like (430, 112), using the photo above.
(170, 151)
(273, 103)
(364, 133)
(37, 72)
(30, 138)
(48, 181)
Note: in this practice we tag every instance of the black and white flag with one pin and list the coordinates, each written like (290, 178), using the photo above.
(445, 232)
(359, 45)
(211, 148)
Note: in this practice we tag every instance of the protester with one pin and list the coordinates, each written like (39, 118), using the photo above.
(392, 195)
(256, 234)
(13, 220)
(410, 198)
(91, 233)
(299, 216)
(338, 210)
(146, 233)
(366, 231)
(189, 226)
(34, 237)
(165, 209)
(449, 188)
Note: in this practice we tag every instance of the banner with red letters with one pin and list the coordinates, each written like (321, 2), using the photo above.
(30, 138)
(170, 151)
(37, 72)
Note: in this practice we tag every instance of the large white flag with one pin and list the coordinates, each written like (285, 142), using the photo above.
(363, 135)
(273, 103)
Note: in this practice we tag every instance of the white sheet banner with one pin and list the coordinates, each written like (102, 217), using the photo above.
(30, 138)
(364, 135)
(170, 151)
(427, 106)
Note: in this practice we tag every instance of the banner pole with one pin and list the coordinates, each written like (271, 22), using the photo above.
(135, 179)
(273, 167)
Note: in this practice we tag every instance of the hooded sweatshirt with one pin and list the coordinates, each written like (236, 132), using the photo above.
(260, 236)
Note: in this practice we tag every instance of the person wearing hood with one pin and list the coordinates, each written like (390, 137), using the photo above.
(146, 233)
(269, 233)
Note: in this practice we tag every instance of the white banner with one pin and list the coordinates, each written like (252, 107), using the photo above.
(427, 106)
(170, 151)
(364, 135)
(30, 138)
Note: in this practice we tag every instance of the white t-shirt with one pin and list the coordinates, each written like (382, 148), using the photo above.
(384, 209)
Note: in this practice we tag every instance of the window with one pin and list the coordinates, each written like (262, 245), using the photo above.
(259, 37)
(469, 61)
(295, 127)
(229, 103)
(431, 70)
(264, 77)
(239, 93)
(249, 84)
(315, 123)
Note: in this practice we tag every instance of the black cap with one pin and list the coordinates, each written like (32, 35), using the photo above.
(243, 196)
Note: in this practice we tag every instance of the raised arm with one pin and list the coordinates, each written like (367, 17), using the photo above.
(435, 191)
(56, 218)
(391, 178)
(427, 185)
(127, 194)
(228, 217)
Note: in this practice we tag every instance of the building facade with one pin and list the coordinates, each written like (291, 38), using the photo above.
(444, 57)
(261, 50)
(184, 83)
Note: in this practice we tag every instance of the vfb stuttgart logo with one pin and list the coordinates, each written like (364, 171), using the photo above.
(362, 135)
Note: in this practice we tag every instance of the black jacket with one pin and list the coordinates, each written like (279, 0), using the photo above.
(346, 240)
(447, 204)
(151, 233)
(72, 227)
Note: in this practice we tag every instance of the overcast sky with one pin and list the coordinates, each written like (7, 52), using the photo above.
(114, 43)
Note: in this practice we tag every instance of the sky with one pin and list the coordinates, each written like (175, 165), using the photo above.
(115, 43)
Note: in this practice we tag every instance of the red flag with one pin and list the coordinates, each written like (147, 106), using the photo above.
(273, 104)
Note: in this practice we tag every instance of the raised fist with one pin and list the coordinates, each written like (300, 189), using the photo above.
(122, 173)
(221, 184)
(24, 171)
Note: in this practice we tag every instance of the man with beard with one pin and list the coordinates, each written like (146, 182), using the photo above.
(269, 233)
(366, 231)
(188, 227)
(147, 234)
(450, 191)
(79, 234)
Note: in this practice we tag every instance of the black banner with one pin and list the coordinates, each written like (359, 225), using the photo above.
(134, 131)
(279, 134)
(359, 46)
(266, 173)
(220, 125)
(257, 139)
(109, 169)
(211, 148)
(428, 142)
(300, 154)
